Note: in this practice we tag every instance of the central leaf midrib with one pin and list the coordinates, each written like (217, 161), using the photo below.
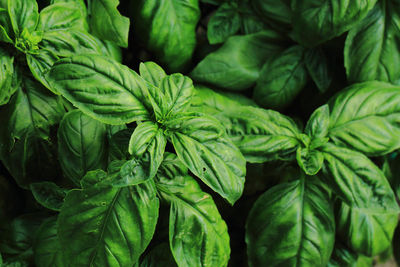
(103, 227)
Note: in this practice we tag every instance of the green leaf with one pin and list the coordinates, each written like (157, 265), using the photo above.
(7, 87)
(171, 167)
(47, 249)
(152, 73)
(62, 16)
(371, 49)
(6, 29)
(148, 143)
(130, 173)
(237, 63)
(318, 124)
(39, 63)
(159, 256)
(106, 226)
(365, 117)
(319, 20)
(101, 88)
(365, 232)
(82, 145)
(25, 148)
(178, 91)
(205, 97)
(70, 42)
(292, 224)
(32, 108)
(271, 10)
(112, 50)
(318, 68)
(111, 25)
(23, 14)
(261, 135)
(198, 235)
(49, 195)
(94, 177)
(309, 160)
(358, 181)
(173, 46)
(202, 145)
(344, 257)
(281, 79)
(225, 22)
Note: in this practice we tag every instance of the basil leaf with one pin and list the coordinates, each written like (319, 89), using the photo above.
(106, 226)
(111, 25)
(318, 124)
(270, 10)
(292, 224)
(101, 88)
(69, 42)
(365, 118)
(148, 142)
(49, 195)
(92, 178)
(39, 63)
(128, 173)
(31, 109)
(281, 79)
(6, 29)
(309, 160)
(198, 235)
(28, 117)
(365, 232)
(371, 49)
(171, 167)
(152, 73)
(317, 21)
(205, 98)
(62, 16)
(224, 23)
(178, 91)
(173, 46)
(7, 88)
(202, 145)
(47, 249)
(319, 69)
(23, 14)
(357, 181)
(81, 145)
(263, 135)
(237, 63)
(344, 257)
(112, 50)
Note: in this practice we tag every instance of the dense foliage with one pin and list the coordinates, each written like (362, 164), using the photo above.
(199, 133)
